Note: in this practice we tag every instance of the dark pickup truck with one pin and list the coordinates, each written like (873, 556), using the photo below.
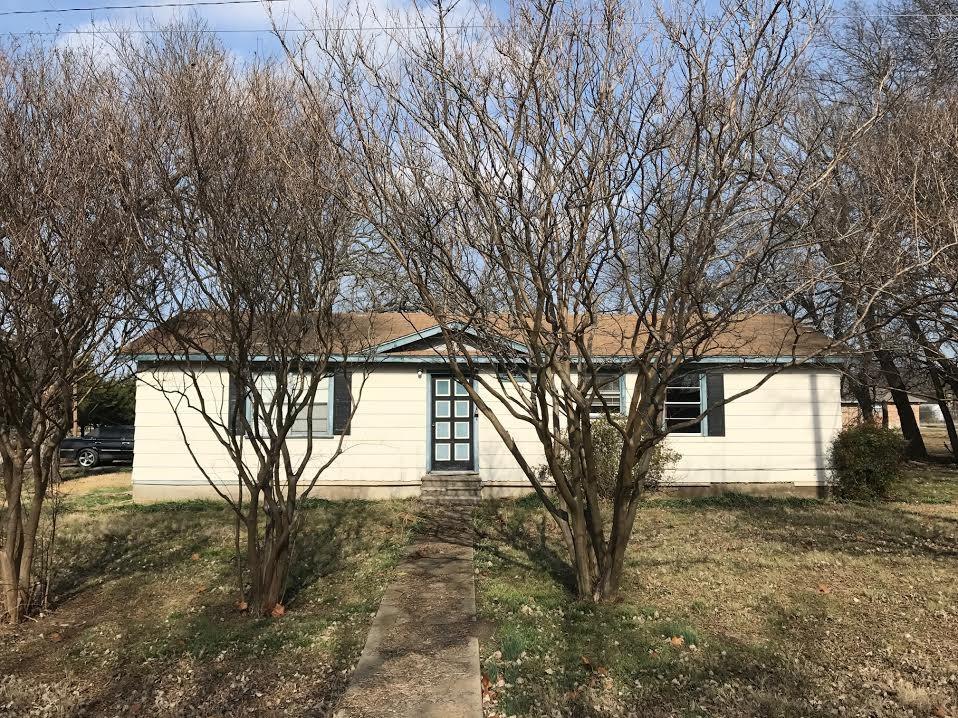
(103, 445)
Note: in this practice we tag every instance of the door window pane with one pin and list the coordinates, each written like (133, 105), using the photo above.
(442, 409)
(442, 387)
(441, 452)
(462, 409)
(462, 452)
(462, 429)
(442, 429)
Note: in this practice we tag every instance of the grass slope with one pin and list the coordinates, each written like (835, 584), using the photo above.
(732, 606)
(145, 620)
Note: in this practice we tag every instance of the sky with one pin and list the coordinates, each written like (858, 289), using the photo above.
(243, 25)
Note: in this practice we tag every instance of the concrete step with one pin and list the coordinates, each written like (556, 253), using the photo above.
(449, 495)
(451, 487)
(454, 484)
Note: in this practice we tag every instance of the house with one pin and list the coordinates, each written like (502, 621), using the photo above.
(413, 420)
(923, 403)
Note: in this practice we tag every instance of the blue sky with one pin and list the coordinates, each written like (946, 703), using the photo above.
(244, 28)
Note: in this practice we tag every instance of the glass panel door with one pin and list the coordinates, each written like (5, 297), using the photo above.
(451, 416)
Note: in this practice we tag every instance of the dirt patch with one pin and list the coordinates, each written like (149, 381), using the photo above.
(113, 479)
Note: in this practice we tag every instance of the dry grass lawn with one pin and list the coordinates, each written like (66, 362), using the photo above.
(144, 620)
(733, 606)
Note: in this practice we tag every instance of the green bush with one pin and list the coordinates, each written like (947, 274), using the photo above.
(608, 448)
(865, 461)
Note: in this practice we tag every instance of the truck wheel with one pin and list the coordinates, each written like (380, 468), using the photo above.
(87, 458)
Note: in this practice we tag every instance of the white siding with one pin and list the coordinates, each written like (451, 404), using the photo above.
(496, 464)
(778, 433)
(386, 445)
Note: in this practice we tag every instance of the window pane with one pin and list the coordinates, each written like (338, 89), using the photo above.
(442, 387)
(441, 452)
(682, 411)
(683, 401)
(320, 421)
(442, 429)
(695, 428)
(462, 409)
(442, 409)
(683, 394)
(461, 390)
(462, 429)
(462, 452)
(606, 395)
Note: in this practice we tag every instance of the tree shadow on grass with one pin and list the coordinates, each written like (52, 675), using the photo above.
(130, 540)
(657, 666)
(192, 651)
(522, 525)
(856, 529)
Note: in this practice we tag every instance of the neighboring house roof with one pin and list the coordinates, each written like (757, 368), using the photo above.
(760, 337)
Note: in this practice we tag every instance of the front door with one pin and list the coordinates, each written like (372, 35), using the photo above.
(452, 428)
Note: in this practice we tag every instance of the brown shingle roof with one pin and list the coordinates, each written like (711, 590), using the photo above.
(762, 335)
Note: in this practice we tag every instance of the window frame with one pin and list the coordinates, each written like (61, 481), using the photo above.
(619, 382)
(292, 434)
(702, 404)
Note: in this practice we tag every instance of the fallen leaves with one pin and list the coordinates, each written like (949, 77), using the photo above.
(278, 610)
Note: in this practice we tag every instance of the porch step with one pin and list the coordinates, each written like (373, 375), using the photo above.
(459, 488)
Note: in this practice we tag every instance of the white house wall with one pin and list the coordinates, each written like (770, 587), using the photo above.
(384, 454)
(778, 434)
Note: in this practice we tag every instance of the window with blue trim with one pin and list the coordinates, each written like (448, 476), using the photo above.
(684, 400)
(607, 395)
(319, 412)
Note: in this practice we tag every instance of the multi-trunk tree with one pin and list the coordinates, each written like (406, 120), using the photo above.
(66, 256)
(884, 226)
(252, 278)
(574, 181)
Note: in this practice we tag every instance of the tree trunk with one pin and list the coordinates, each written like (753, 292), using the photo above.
(863, 396)
(915, 448)
(14, 602)
(580, 550)
(268, 558)
(929, 352)
(949, 425)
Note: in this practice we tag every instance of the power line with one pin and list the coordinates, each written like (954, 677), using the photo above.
(381, 28)
(92, 8)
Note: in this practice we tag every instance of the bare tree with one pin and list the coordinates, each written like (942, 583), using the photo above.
(66, 254)
(886, 220)
(253, 260)
(575, 190)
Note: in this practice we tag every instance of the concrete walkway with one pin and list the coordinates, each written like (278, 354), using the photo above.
(421, 658)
